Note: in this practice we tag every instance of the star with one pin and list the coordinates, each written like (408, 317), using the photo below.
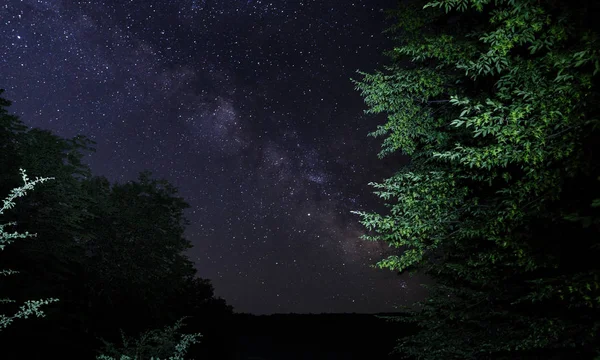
(247, 108)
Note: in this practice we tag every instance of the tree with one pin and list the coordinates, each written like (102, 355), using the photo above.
(31, 307)
(113, 254)
(51, 267)
(137, 254)
(496, 104)
(55, 266)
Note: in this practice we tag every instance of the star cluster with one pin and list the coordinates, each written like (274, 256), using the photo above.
(247, 107)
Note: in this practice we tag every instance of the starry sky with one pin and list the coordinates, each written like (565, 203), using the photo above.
(247, 107)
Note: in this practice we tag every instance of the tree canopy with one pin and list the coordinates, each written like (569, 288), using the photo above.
(113, 254)
(496, 103)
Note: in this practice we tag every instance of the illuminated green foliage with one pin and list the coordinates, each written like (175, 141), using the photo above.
(496, 104)
(30, 307)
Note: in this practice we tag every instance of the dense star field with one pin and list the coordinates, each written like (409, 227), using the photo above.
(247, 107)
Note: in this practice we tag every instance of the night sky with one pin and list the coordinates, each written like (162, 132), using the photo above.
(247, 107)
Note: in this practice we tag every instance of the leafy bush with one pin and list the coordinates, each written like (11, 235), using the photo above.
(155, 344)
(30, 307)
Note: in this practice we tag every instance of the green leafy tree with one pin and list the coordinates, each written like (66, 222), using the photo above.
(30, 307)
(496, 104)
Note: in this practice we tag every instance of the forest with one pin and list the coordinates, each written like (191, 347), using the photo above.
(496, 104)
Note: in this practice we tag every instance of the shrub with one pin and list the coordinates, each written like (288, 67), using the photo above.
(165, 344)
(30, 307)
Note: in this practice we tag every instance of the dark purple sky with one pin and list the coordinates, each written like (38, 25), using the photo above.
(247, 107)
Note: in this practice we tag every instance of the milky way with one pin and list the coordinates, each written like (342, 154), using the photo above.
(247, 107)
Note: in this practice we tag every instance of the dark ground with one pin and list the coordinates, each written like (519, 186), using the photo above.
(301, 336)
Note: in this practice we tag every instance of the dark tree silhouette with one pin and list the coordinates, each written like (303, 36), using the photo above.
(113, 254)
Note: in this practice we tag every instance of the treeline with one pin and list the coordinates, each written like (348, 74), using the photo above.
(316, 336)
(112, 254)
